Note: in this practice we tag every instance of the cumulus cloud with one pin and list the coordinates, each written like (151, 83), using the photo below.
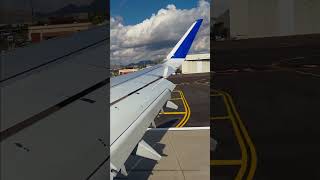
(153, 38)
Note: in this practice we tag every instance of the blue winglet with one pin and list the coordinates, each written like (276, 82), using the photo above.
(183, 49)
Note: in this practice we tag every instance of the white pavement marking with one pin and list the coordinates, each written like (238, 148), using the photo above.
(179, 129)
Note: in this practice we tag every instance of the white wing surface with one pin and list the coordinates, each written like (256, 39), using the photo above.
(137, 98)
(53, 109)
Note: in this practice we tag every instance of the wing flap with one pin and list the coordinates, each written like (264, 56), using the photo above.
(142, 108)
(39, 91)
(64, 145)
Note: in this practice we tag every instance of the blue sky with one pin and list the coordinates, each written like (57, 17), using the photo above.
(148, 30)
(134, 12)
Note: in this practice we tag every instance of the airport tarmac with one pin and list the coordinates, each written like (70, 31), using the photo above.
(192, 97)
(179, 135)
(271, 87)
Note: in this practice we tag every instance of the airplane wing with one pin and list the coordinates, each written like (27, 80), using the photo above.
(136, 99)
(53, 109)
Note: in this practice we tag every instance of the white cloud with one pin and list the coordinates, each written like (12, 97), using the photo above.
(155, 37)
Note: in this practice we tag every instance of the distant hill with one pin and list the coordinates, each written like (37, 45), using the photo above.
(142, 63)
(97, 6)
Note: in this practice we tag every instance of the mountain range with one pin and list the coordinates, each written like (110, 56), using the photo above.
(142, 63)
(97, 6)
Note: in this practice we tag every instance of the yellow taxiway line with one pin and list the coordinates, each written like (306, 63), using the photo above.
(244, 157)
(253, 154)
(186, 117)
(174, 99)
(186, 111)
(225, 162)
(214, 95)
(235, 118)
(242, 136)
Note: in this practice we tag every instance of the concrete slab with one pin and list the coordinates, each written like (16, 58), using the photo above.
(164, 148)
(185, 155)
(192, 175)
(194, 147)
(156, 175)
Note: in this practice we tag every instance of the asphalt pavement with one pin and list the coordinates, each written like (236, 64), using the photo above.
(274, 84)
(192, 97)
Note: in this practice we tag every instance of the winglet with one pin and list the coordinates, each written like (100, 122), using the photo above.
(181, 49)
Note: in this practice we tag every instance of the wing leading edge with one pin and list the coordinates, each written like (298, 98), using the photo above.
(136, 99)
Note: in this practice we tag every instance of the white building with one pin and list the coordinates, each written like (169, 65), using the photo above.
(265, 18)
(196, 63)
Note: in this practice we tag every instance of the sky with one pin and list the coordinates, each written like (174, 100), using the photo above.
(149, 33)
(136, 11)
